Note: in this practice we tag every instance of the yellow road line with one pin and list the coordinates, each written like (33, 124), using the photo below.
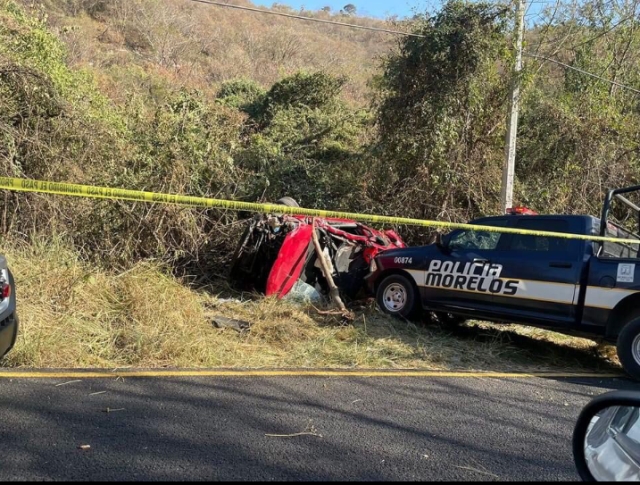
(106, 373)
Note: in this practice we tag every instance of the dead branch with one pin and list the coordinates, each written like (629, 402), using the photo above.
(348, 315)
(304, 433)
(326, 265)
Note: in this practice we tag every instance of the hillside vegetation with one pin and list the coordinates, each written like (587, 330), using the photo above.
(173, 96)
(169, 95)
(198, 46)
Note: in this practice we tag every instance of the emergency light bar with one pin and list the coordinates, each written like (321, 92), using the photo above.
(521, 211)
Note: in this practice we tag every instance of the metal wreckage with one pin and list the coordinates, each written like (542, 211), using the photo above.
(277, 255)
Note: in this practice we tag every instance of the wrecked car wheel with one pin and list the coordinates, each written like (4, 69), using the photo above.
(288, 201)
(396, 296)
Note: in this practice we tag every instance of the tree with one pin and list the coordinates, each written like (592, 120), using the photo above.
(305, 143)
(350, 8)
(326, 9)
(440, 109)
(301, 90)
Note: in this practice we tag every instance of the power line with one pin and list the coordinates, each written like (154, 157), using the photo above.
(582, 71)
(310, 19)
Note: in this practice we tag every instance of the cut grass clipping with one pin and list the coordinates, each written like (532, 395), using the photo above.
(75, 315)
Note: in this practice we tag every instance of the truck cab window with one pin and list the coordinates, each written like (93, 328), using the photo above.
(619, 250)
(525, 242)
(468, 240)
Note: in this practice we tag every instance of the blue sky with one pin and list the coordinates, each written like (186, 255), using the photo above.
(385, 8)
(372, 8)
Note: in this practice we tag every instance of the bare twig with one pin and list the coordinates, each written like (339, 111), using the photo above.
(68, 382)
(309, 431)
(476, 470)
(303, 433)
(327, 312)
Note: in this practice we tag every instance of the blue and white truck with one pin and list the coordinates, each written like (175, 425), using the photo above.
(577, 287)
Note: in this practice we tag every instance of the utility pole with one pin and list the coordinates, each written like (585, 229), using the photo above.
(506, 196)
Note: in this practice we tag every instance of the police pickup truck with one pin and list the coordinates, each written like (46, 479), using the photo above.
(572, 286)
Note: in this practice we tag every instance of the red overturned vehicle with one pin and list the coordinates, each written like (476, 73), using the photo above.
(277, 256)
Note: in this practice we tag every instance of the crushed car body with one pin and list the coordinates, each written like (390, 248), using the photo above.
(276, 254)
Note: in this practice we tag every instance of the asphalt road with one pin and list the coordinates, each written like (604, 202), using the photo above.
(216, 428)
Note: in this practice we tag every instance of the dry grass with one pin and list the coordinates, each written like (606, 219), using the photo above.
(74, 315)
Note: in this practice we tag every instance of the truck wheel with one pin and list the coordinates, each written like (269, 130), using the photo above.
(396, 296)
(628, 347)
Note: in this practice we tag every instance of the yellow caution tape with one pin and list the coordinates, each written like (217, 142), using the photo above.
(77, 190)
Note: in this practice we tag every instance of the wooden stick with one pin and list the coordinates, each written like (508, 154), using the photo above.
(326, 265)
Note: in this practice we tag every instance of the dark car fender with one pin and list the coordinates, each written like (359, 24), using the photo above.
(399, 261)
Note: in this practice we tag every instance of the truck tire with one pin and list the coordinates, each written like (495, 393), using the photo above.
(628, 347)
(397, 296)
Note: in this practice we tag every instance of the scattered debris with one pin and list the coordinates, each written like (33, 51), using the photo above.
(84, 447)
(224, 322)
(357, 400)
(68, 382)
(304, 293)
(96, 393)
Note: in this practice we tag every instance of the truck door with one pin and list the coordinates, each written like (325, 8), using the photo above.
(460, 277)
(546, 271)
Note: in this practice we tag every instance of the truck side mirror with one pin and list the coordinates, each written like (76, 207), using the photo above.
(605, 438)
